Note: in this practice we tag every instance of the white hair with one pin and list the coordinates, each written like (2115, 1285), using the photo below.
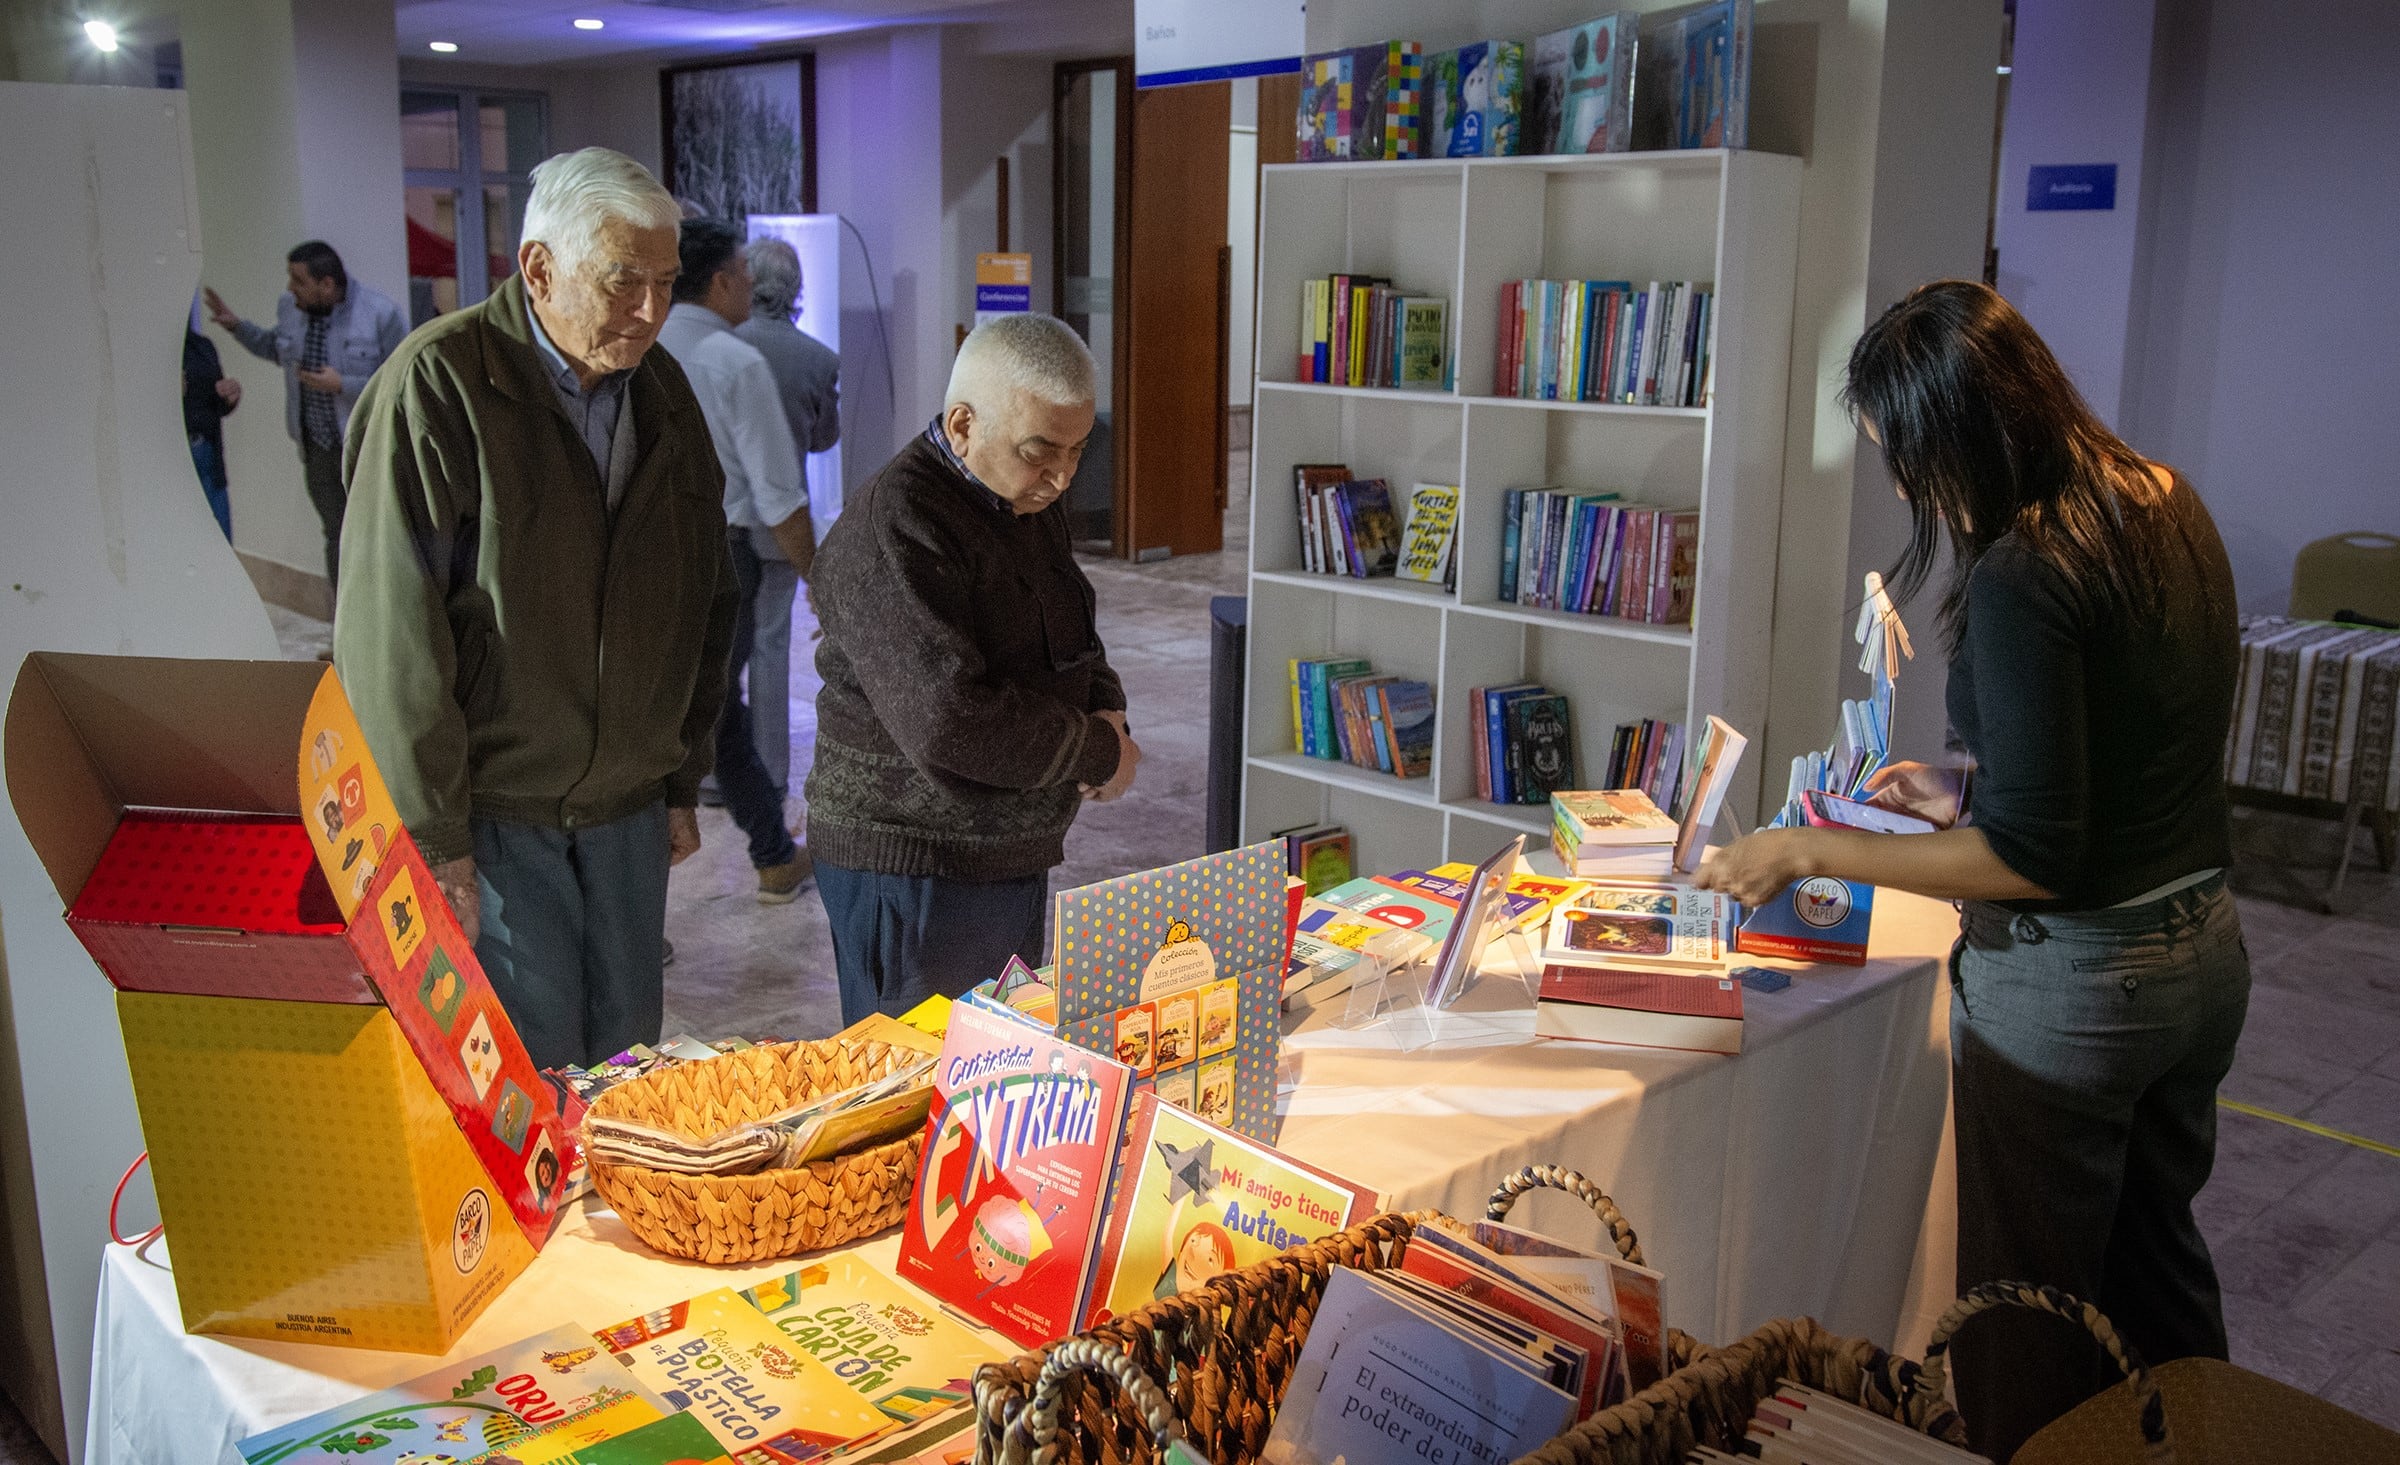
(774, 276)
(574, 193)
(1039, 355)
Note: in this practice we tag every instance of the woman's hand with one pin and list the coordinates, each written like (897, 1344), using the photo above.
(1918, 788)
(1755, 868)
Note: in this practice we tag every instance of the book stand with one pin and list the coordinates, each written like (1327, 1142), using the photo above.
(1390, 994)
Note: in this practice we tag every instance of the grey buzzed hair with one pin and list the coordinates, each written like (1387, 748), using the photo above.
(1039, 355)
(774, 277)
(574, 193)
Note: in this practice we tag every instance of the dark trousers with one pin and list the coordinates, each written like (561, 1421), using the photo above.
(322, 468)
(208, 460)
(574, 932)
(751, 797)
(2086, 1050)
(899, 939)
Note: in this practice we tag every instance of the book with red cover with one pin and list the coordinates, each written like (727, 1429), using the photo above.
(1015, 1171)
(1644, 1009)
(1512, 1297)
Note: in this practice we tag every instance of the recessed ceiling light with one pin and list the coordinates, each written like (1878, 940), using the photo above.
(103, 35)
(2002, 70)
(445, 47)
(588, 24)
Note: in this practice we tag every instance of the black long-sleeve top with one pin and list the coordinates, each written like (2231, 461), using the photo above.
(204, 412)
(2099, 740)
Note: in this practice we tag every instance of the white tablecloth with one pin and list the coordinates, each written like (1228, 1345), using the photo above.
(1793, 1179)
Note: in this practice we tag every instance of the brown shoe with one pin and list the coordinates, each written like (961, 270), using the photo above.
(780, 884)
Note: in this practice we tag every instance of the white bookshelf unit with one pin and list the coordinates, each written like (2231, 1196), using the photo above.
(1463, 228)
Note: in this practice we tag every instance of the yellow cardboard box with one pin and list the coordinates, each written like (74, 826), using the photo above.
(348, 1143)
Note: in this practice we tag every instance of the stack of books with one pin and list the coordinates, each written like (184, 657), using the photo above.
(1606, 341)
(1359, 331)
(1342, 709)
(1797, 1425)
(1589, 554)
(1648, 755)
(1644, 965)
(1347, 525)
(1605, 831)
(1526, 750)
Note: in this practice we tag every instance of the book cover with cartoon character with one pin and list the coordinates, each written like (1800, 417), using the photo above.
(889, 1343)
(1014, 1173)
(534, 1401)
(1195, 1199)
(719, 1357)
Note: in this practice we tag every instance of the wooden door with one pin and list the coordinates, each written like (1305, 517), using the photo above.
(1174, 301)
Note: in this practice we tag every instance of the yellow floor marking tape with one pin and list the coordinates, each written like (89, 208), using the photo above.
(2344, 1136)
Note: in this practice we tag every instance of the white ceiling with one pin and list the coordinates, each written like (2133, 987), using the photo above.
(542, 32)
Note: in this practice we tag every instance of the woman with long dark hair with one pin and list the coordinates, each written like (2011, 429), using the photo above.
(2099, 981)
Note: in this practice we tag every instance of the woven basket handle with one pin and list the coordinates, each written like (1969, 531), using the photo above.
(1552, 1177)
(1034, 1432)
(2158, 1446)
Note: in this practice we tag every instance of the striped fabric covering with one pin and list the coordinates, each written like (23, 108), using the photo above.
(2316, 713)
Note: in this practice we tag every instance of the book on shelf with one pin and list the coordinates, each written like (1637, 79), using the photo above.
(1692, 82)
(1475, 101)
(1312, 678)
(1642, 925)
(1194, 1199)
(1361, 103)
(1429, 534)
(1362, 331)
(1308, 481)
(1643, 1009)
(1605, 341)
(718, 1355)
(1648, 755)
(1581, 92)
(889, 1344)
(1591, 554)
(1347, 527)
(1342, 709)
(1385, 1363)
(1319, 855)
(1527, 744)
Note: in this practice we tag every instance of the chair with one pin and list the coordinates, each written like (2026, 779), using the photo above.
(2348, 577)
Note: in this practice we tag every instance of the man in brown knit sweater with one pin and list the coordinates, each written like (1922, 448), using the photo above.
(968, 706)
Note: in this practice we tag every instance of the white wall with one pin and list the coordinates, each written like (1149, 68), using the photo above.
(2079, 93)
(2265, 313)
(1241, 239)
(110, 548)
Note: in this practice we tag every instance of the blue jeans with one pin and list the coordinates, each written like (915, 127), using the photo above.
(2086, 1049)
(208, 460)
(899, 939)
(751, 797)
(574, 932)
(771, 663)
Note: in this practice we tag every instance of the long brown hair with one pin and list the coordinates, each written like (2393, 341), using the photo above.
(1984, 434)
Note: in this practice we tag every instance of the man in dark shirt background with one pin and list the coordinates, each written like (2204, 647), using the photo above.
(209, 397)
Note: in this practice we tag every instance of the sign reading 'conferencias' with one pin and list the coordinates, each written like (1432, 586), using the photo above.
(1209, 40)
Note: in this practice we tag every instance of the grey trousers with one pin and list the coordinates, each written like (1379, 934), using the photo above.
(574, 932)
(771, 659)
(2086, 1049)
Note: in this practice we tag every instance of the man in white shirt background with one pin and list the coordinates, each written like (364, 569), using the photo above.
(764, 490)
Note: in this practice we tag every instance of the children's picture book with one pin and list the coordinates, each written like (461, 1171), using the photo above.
(1474, 100)
(1430, 533)
(719, 1357)
(1582, 87)
(1384, 1373)
(1427, 914)
(1195, 1199)
(1324, 126)
(1505, 1291)
(1693, 80)
(1320, 857)
(534, 1401)
(894, 1347)
(1601, 1282)
(1200, 946)
(679, 1439)
(1641, 926)
(1015, 1171)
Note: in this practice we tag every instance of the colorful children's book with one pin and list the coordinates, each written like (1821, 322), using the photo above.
(1195, 952)
(678, 1439)
(534, 1401)
(878, 1335)
(1326, 108)
(719, 1356)
(1195, 1199)
(1474, 99)
(1582, 87)
(1410, 910)
(1693, 89)
(1015, 1170)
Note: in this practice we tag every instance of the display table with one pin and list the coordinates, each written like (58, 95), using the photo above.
(1801, 1177)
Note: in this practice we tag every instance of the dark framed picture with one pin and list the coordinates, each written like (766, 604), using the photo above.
(741, 137)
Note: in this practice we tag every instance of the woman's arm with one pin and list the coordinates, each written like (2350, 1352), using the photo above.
(1950, 864)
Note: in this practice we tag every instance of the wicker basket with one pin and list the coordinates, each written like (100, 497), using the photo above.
(1224, 1351)
(774, 1213)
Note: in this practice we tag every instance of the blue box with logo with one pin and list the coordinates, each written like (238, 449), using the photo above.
(1816, 919)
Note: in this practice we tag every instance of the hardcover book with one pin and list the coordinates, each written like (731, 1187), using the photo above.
(1015, 1171)
(1327, 99)
(1643, 1009)
(1195, 1199)
(534, 1401)
(1474, 100)
(1196, 950)
(892, 1347)
(1582, 87)
(719, 1357)
(1384, 1376)
(1693, 86)
(1542, 736)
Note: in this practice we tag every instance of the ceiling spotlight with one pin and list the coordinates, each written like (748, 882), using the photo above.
(103, 35)
(2003, 70)
(588, 24)
(445, 47)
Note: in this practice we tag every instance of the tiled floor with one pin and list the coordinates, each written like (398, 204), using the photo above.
(2306, 1229)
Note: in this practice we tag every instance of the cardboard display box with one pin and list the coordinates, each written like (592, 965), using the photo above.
(1816, 919)
(348, 1142)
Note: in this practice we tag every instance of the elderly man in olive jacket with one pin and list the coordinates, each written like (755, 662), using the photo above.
(535, 608)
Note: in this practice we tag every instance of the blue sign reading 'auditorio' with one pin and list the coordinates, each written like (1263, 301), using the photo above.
(2071, 186)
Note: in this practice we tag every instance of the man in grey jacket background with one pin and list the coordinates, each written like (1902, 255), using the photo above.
(330, 334)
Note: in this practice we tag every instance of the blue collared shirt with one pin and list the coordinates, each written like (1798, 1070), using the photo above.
(941, 441)
(594, 413)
